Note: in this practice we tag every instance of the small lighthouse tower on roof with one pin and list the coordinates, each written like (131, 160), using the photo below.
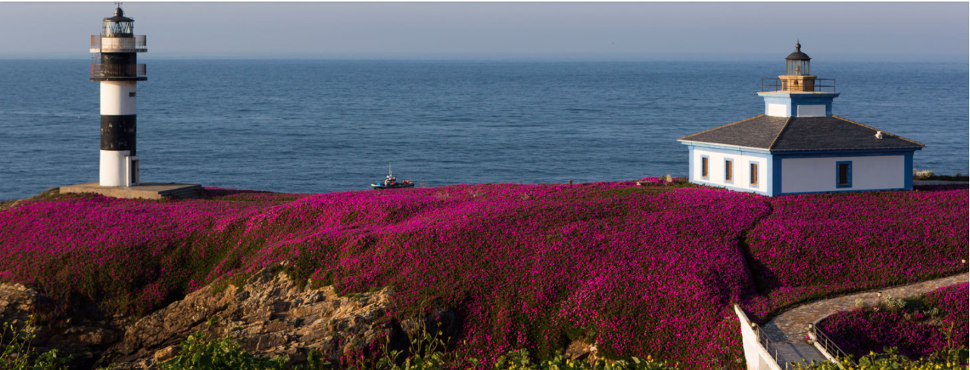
(115, 66)
(798, 93)
(798, 75)
(798, 145)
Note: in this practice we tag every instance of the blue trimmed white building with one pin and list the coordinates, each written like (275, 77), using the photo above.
(798, 146)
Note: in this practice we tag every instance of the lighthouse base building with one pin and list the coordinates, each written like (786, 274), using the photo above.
(798, 146)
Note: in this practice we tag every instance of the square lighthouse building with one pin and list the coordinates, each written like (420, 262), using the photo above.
(798, 146)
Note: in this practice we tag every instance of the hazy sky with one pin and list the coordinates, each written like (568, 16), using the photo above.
(556, 31)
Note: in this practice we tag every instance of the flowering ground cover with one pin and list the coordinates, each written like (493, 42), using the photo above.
(815, 245)
(125, 255)
(531, 265)
(918, 327)
(648, 270)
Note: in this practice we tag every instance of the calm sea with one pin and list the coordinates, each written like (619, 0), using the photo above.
(326, 126)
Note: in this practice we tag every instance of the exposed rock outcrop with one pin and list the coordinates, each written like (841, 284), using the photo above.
(270, 314)
(83, 338)
(16, 303)
(581, 350)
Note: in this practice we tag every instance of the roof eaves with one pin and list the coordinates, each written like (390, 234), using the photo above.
(883, 131)
(848, 150)
(753, 148)
(720, 127)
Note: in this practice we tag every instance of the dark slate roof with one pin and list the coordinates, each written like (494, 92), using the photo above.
(784, 134)
(755, 132)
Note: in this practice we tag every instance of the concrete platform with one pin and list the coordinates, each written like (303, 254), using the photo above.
(938, 182)
(146, 190)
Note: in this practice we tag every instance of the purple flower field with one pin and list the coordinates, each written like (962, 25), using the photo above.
(813, 245)
(647, 270)
(937, 322)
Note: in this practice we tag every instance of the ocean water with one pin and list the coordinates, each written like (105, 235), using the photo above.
(327, 126)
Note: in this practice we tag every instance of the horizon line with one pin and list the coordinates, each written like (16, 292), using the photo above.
(513, 57)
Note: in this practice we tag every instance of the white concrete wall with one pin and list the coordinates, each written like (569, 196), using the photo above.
(800, 175)
(755, 355)
(741, 179)
(776, 110)
(114, 168)
(117, 98)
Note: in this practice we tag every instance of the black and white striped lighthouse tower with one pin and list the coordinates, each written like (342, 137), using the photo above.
(116, 67)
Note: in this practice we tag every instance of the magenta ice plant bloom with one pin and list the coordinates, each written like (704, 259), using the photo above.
(916, 331)
(639, 270)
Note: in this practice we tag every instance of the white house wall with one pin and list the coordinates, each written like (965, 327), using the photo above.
(804, 175)
(741, 177)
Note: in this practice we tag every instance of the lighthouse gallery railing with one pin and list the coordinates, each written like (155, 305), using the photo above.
(117, 70)
(821, 84)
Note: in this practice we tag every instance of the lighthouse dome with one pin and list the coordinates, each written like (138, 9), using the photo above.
(798, 54)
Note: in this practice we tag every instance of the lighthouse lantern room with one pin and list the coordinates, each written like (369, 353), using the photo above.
(797, 75)
(115, 65)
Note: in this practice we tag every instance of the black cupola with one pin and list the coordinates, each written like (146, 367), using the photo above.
(797, 63)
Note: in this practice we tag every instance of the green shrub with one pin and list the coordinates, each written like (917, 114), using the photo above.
(426, 350)
(894, 304)
(200, 351)
(429, 350)
(16, 352)
(521, 359)
(892, 360)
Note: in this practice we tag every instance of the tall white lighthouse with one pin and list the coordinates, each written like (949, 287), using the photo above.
(115, 66)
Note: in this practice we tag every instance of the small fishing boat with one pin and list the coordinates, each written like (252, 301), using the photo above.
(391, 182)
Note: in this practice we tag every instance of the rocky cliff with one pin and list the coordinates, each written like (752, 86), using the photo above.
(271, 315)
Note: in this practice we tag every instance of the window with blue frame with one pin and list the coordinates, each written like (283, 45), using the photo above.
(704, 170)
(728, 170)
(754, 174)
(843, 174)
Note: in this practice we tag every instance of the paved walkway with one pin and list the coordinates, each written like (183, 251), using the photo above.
(789, 328)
